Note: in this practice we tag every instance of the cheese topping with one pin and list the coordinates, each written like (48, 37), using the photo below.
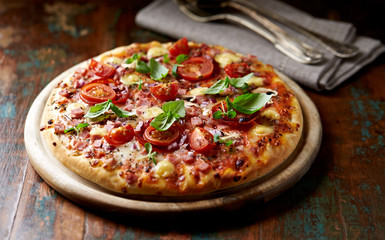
(164, 169)
(261, 130)
(270, 113)
(129, 79)
(197, 91)
(156, 52)
(226, 58)
(98, 131)
(152, 112)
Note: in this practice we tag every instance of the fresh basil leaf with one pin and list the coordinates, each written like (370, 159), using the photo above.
(218, 87)
(120, 112)
(229, 143)
(217, 115)
(77, 128)
(175, 107)
(240, 82)
(133, 58)
(250, 102)
(231, 114)
(158, 71)
(150, 154)
(98, 109)
(148, 147)
(175, 70)
(216, 137)
(163, 121)
(142, 67)
(69, 130)
(181, 58)
(140, 84)
(166, 59)
(229, 104)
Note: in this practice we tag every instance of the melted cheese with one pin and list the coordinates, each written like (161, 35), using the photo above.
(98, 131)
(197, 91)
(75, 105)
(114, 60)
(152, 112)
(270, 113)
(261, 130)
(129, 79)
(257, 81)
(156, 52)
(226, 58)
(164, 169)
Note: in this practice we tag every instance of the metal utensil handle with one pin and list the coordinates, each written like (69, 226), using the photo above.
(286, 47)
(277, 31)
(339, 49)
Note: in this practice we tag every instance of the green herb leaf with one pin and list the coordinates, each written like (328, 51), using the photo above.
(100, 108)
(231, 114)
(158, 71)
(250, 102)
(229, 104)
(218, 87)
(166, 59)
(174, 70)
(163, 121)
(216, 137)
(181, 58)
(120, 112)
(150, 154)
(217, 115)
(229, 143)
(77, 128)
(142, 67)
(240, 82)
(133, 58)
(175, 107)
(173, 110)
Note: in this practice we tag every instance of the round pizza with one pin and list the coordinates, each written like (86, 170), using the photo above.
(172, 119)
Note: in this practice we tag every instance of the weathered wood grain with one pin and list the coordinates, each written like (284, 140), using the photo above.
(341, 197)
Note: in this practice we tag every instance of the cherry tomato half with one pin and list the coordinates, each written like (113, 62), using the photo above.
(179, 47)
(196, 69)
(236, 70)
(201, 140)
(101, 69)
(239, 119)
(161, 138)
(94, 93)
(165, 91)
(120, 135)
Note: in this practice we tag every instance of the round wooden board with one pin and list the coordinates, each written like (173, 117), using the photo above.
(91, 195)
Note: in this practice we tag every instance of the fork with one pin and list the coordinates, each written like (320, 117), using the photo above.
(281, 40)
(338, 49)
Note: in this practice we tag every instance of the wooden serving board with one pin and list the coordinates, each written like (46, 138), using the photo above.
(91, 195)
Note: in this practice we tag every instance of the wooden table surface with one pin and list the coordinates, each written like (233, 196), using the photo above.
(341, 197)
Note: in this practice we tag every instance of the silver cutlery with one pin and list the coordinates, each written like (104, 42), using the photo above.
(339, 49)
(283, 41)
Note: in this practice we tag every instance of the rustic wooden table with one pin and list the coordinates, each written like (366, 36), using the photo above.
(341, 197)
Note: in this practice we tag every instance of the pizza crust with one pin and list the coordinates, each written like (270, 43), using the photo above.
(208, 183)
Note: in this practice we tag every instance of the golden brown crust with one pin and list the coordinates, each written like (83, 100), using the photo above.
(272, 156)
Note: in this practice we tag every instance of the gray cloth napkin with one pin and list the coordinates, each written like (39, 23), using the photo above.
(164, 17)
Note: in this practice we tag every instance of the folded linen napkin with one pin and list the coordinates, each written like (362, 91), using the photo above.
(164, 17)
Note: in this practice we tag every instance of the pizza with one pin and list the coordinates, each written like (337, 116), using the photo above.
(172, 119)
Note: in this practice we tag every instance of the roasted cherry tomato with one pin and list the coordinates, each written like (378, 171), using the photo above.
(201, 140)
(161, 138)
(101, 69)
(236, 70)
(179, 47)
(196, 69)
(165, 91)
(120, 135)
(94, 93)
(239, 119)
